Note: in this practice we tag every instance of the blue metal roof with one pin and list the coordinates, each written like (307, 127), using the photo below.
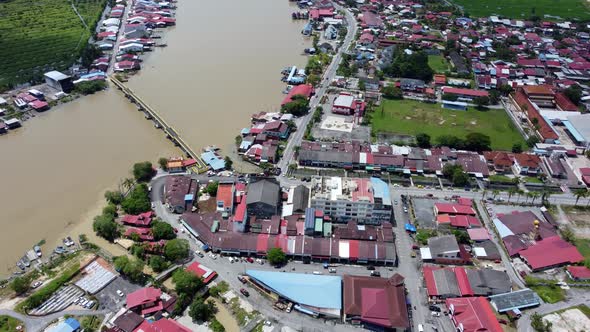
(73, 323)
(381, 190)
(411, 228)
(308, 289)
(577, 136)
(503, 231)
(213, 160)
(69, 325)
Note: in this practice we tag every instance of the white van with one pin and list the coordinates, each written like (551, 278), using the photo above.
(420, 328)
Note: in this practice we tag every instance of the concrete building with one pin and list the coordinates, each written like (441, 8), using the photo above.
(365, 200)
(263, 199)
(181, 192)
(59, 81)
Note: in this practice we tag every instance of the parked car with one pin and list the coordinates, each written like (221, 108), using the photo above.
(316, 272)
(37, 284)
(370, 267)
(244, 292)
(375, 274)
(242, 279)
(332, 270)
(435, 314)
(434, 308)
(37, 251)
(89, 305)
(289, 307)
(120, 293)
(250, 260)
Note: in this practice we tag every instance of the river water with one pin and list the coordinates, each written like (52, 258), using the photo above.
(222, 64)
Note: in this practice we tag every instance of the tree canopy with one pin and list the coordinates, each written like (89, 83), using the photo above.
(176, 250)
(186, 282)
(130, 267)
(276, 256)
(143, 171)
(413, 65)
(423, 140)
(114, 197)
(201, 310)
(298, 106)
(158, 264)
(456, 174)
(162, 230)
(392, 92)
(19, 285)
(211, 188)
(105, 227)
(138, 200)
(574, 93)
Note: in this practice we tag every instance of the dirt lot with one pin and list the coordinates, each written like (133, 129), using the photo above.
(572, 320)
(580, 220)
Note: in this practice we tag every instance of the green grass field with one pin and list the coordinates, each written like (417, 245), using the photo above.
(42, 35)
(583, 246)
(412, 117)
(565, 9)
(9, 324)
(438, 63)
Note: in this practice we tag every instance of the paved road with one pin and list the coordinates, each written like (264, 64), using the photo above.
(329, 74)
(524, 323)
(34, 324)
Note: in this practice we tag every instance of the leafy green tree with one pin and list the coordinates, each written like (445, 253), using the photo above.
(176, 250)
(105, 227)
(580, 193)
(517, 148)
(460, 178)
(413, 65)
(132, 268)
(228, 162)
(532, 140)
(574, 93)
(216, 326)
(481, 101)
(201, 311)
(89, 54)
(568, 234)
(298, 106)
(138, 250)
(186, 283)
(211, 188)
(461, 236)
(538, 324)
(494, 97)
(114, 197)
(450, 141)
(110, 210)
(90, 87)
(143, 171)
(276, 256)
(392, 92)
(505, 89)
(162, 230)
(219, 289)
(138, 200)
(158, 264)
(20, 285)
(423, 140)
(163, 162)
(477, 142)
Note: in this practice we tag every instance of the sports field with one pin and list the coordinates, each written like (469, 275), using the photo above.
(438, 63)
(37, 36)
(412, 117)
(564, 9)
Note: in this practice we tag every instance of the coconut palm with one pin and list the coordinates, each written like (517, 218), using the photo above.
(128, 183)
(579, 193)
(511, 192)
(495, 193)
(534, 196)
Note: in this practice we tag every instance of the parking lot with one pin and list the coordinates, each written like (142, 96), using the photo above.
(424, 212)
(108, 298)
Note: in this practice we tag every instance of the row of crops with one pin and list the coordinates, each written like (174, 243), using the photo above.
(42, 34)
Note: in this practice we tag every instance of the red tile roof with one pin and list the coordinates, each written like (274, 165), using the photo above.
(202, 271)
(143, 296)
(532, 112)
(303, 89)
(453, 209)
(142, 220)
(550, 252)
(225, 194)
(162, 325)
(465, 92)
(38, 104)
(377, 301)
(579, 272)
(462, 280)
(474, 314)
(564, 103)
(527, 160)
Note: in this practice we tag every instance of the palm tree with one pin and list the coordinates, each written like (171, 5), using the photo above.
(534, 196)
(519, 192)
(128, 183)
(511, 192)
(545, 195)
(579, 193)
(495, 193)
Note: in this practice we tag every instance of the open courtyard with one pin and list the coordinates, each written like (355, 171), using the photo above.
(412, 117)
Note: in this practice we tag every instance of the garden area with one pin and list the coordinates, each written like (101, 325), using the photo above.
(41, 36)
(412, 117)
(565, 9)
(438, 63)
(9, 324)
(547, 290)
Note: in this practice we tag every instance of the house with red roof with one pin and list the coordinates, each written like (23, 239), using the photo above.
(145, 301)
(225, 197)
(142, 234)
(140, 220)
(39, 105)
(202, 271)
(549, 253)
(578, 272)
(525, 163)
(472, 314)
(499, 161)
(378, 303)
(347, 104)
(468, 94)
(305, 90)
(162, 325)
(440, 79)
(453, 209)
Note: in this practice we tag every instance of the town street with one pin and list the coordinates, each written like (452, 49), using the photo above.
(295, 139)
(35, 324)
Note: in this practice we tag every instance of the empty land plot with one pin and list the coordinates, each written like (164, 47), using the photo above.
(412, 117)
(438, 63)
(42, 35)
(564, 9)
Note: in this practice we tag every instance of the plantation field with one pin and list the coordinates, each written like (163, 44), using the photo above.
(565, 9)
(41, 35)
(438, 63)
(412, 117)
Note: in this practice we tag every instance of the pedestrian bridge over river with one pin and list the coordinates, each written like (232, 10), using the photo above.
(171, 133)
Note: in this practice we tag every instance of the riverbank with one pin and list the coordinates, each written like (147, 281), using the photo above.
(69, 156)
